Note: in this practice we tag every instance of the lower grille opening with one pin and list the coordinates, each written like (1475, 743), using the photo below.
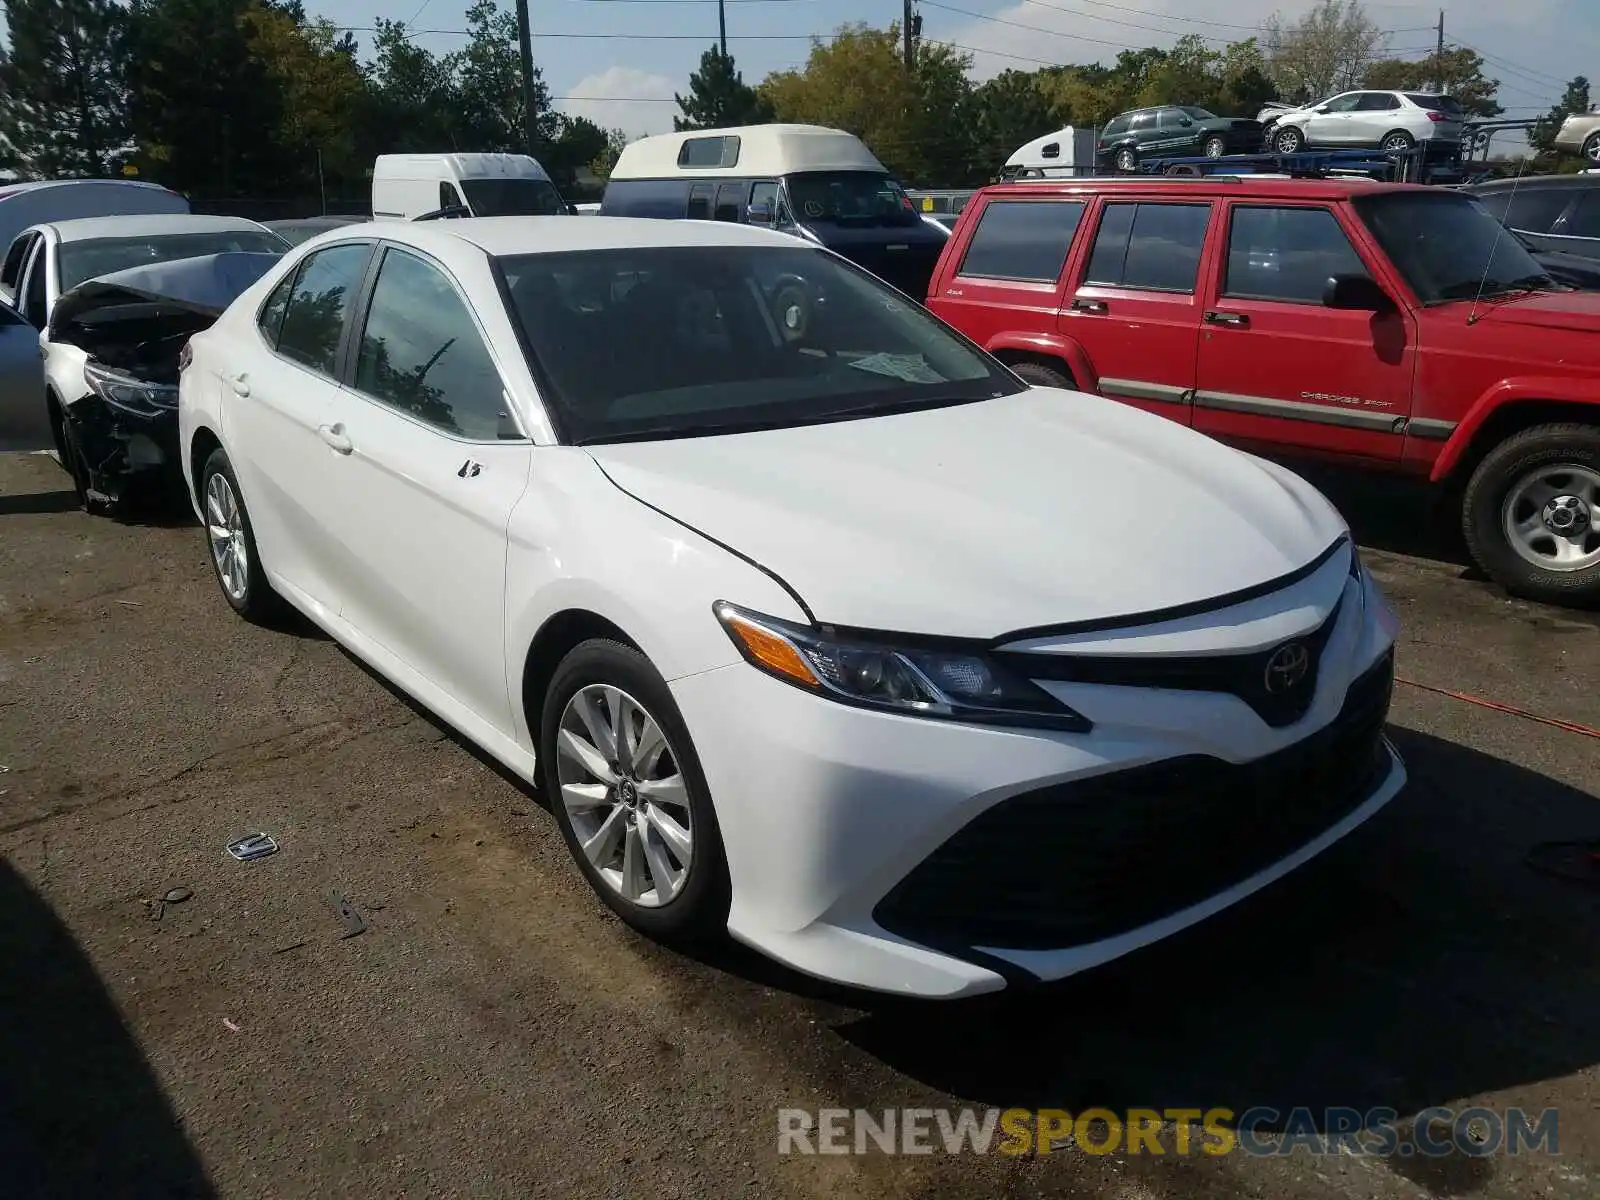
(1078, 862)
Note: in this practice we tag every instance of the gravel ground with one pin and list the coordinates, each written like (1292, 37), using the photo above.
(494, 1032)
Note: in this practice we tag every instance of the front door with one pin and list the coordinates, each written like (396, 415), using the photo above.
(1279, 368)
(277, 404)
(24, 416)
(432, 462)
(1135, 309)
(1331, 124)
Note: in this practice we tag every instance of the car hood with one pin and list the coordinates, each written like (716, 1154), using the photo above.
(205, 285)
(1577, 311)
(1047, 507)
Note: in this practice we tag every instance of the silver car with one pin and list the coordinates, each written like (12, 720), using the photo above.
(1368, 120)
(1580, 134)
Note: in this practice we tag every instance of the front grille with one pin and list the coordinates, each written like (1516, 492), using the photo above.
(1250, 677)
(909, 270)
(1082, 861)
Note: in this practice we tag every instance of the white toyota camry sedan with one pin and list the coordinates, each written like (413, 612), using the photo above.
(814, 623)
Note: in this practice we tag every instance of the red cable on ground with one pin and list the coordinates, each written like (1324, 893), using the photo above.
(1496, 706)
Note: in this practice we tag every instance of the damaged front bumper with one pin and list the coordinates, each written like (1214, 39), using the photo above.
(123, 453)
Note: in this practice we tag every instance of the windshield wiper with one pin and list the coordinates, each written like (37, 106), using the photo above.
(1491, 289)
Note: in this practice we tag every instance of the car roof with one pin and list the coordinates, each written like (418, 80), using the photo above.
(146, 225)
(502, 236)
(1543, 181)
(1178, 185)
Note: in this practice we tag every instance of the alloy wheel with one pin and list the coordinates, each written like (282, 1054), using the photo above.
(225, 530)
(1550, 517)
(624, 795)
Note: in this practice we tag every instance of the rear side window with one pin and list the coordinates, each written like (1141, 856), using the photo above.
(1115, 126)
(271, 318)
(1533, 209)
(1584, 222)
(1286, 254)
(11, 272)
(700, 201)
(729, 197)
(1377, 102)
(1022, 239)
(313, 320)
(1444, 104)
(1154, 246)
(1143, 121)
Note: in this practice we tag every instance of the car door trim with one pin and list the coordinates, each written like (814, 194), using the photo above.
(1295, 410)
(1136, 389)
(1431, 428)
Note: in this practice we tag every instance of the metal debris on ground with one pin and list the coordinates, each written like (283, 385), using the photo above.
(353, 924)
(226, 1021)
(175, 895)
(253, 845)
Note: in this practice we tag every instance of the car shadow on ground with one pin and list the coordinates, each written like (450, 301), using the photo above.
(1393, 513)
(81, 1111)
(1418, 962)
(34, 503)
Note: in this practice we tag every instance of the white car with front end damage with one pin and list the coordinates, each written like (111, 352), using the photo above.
(815, 623)
(108, 406)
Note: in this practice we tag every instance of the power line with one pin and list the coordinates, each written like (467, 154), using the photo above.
(621, 37)
(1527, 73)
(1255, 29)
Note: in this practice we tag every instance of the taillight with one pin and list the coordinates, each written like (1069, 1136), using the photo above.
(1436, 117)
(185, 357)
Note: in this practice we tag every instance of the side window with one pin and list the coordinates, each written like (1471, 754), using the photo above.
(1286, 254)
(717, 150)
(36, 305)
(1536, 209)
(1142, 121)
(421, 353)
(1115, 126)
(1155, 246)
(700, 202)
(765, 193)
(729, 198)
(1022, 239)
(1584, 221)
(1172, 118)
(313, 320)
(11, 271)
(1050, 150)
(448, 196)
(1344, 103)
(271, 319)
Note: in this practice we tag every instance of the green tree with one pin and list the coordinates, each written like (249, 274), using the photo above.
(205, 109)
(602, 162)
(1008, 111)
(1458, 72)
(719, 98)
(64, 109)
(1328, 50)
(488, 79)
(415, 106)
(1542, 137)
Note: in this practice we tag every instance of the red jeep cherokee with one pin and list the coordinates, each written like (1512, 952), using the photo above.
(1380, 324)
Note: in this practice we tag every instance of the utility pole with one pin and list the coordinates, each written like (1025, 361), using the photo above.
(722, 27)
(1438, 57)
(906, 35)
(525, 38)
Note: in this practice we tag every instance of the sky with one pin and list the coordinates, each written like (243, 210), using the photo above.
(619, 62)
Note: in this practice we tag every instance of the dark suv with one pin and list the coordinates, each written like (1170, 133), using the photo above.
(1559, 213)
(1173, 131)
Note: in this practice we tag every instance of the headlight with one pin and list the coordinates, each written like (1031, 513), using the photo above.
(927, 681)
(137, 396)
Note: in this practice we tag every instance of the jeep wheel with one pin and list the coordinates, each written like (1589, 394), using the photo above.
(1288, 141)
(1531, 514)
(1043, 375)
(1215, 147)
(1127, 159)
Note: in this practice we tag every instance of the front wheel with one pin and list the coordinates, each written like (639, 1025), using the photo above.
(76, 462)
(1288, 141)
(625, 784)
(1531, 514)
(1591, 148)
(1042, 375)
(1215, 147)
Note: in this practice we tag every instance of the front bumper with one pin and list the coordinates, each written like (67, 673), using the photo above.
(940, 860)
(124, 450)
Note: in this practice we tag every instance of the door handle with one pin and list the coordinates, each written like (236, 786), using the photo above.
(241, 385)
(1089, 306)
(1226, 318)
(334, 435)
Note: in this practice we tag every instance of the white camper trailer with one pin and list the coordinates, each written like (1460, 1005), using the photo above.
(1064, 153)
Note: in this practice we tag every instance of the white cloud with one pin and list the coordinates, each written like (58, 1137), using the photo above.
(636, 102)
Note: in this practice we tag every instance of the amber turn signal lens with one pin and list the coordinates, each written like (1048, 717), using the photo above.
(771, 651)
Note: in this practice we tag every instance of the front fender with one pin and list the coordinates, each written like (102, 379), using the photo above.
(1521, 389)
(1052, 345)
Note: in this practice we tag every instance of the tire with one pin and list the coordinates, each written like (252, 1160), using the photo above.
(697, 908)
(1127, 159)
(244, 583)
(1215, 147)
(1499, 495)
(1591, 148)
(1042, 375)
(1288, 141)
(76, 463)
(1397, 142)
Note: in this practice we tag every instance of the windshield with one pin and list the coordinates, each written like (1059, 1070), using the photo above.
(104, 256)
(850, 197)
(1448, 246)
(513, 198)
(685, 341)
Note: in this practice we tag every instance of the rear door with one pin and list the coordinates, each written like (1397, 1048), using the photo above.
(1005, 290)
(11, 270)
(1134, 306)
(1376, 113)
(1278, 368)
(24, 418)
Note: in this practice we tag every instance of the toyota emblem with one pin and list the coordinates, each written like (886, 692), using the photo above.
(1287, 668)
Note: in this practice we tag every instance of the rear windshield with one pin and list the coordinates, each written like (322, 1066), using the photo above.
(1444, 104)
(513, 198)
(103, 256)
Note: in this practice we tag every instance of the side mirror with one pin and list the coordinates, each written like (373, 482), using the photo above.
(1355, 292)
(761, 214)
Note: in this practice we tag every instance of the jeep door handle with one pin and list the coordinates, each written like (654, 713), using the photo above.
(241, 385)
(1226, 318)
(334, 435)
(1090, 306)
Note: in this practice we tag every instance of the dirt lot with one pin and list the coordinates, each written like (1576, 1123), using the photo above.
(493, 1032)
